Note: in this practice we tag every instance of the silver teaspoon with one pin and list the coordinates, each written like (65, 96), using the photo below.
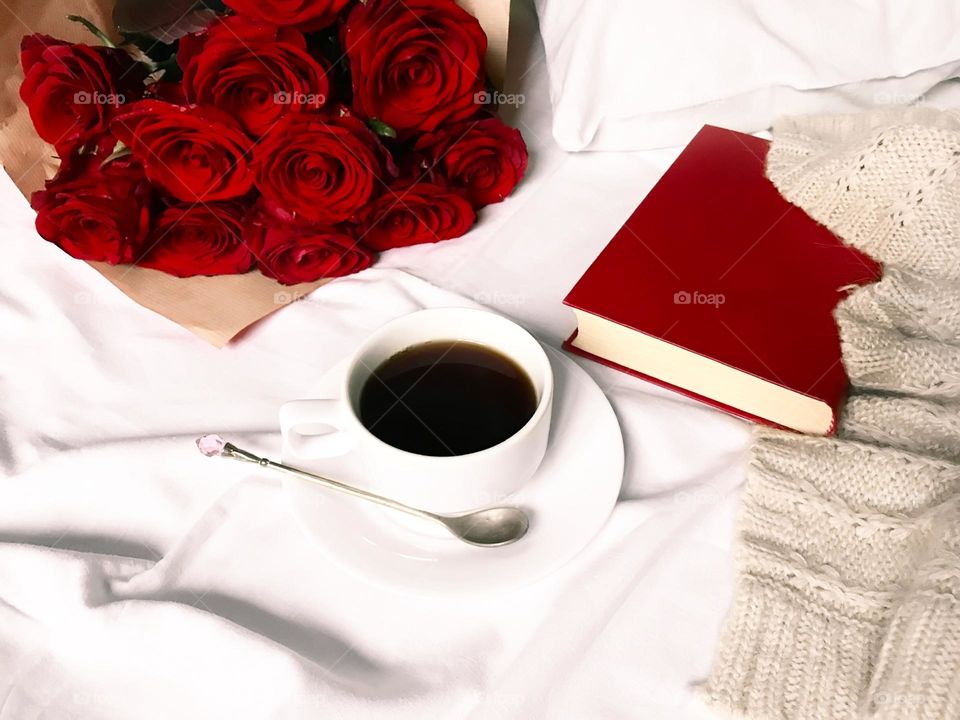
(490, 527)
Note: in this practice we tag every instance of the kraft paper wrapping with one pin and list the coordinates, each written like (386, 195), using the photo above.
(214, 308)
(494, 16)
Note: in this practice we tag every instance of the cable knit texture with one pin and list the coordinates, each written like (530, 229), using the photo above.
(848, 551)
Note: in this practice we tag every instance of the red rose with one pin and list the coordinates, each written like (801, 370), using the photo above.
(320, 169)
(199, 239)
(414, 64)
(72, 91)
(306, 15)
(255, 72)
(96, 212)
(295, 253)
(196, 154)
(414, 214)
(484, 158)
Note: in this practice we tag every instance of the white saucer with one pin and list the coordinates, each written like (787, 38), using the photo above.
(569, 499)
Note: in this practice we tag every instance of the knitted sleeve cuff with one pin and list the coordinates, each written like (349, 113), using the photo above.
(784, 654)
(821, 558)
(916, 675)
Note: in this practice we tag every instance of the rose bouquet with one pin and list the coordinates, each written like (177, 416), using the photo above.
(298, 137)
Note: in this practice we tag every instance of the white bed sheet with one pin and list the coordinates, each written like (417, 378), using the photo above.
(139, 581)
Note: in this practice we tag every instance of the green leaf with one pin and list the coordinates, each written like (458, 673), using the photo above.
(139, 16)
(381, 128)
(104, 38)
(172, 72)
(165, 21)
(119, 150)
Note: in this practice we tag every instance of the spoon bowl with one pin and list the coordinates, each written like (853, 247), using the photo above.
(491, 527)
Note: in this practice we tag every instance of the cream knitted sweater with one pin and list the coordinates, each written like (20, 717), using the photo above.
(848, 599)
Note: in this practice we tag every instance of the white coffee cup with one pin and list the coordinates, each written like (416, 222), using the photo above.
(326, 428)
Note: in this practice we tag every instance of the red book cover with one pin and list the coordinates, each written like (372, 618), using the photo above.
(718, 287)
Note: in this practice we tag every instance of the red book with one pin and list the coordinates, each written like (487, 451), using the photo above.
(719, 288)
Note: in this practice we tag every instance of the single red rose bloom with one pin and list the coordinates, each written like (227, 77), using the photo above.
(296, 253)
(197, 154)
(199, 239)
(415, 64)
(306, 15)
(415, 213)
(94, 212)
(72, 91)
(254, 71)
(320, 169)
(483, 158)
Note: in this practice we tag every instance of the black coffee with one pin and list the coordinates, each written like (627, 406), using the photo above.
(446, 398)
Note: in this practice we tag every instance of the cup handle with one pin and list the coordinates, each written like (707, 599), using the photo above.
(313, 428)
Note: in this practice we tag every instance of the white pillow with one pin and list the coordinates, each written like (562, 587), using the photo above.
(636, 74)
